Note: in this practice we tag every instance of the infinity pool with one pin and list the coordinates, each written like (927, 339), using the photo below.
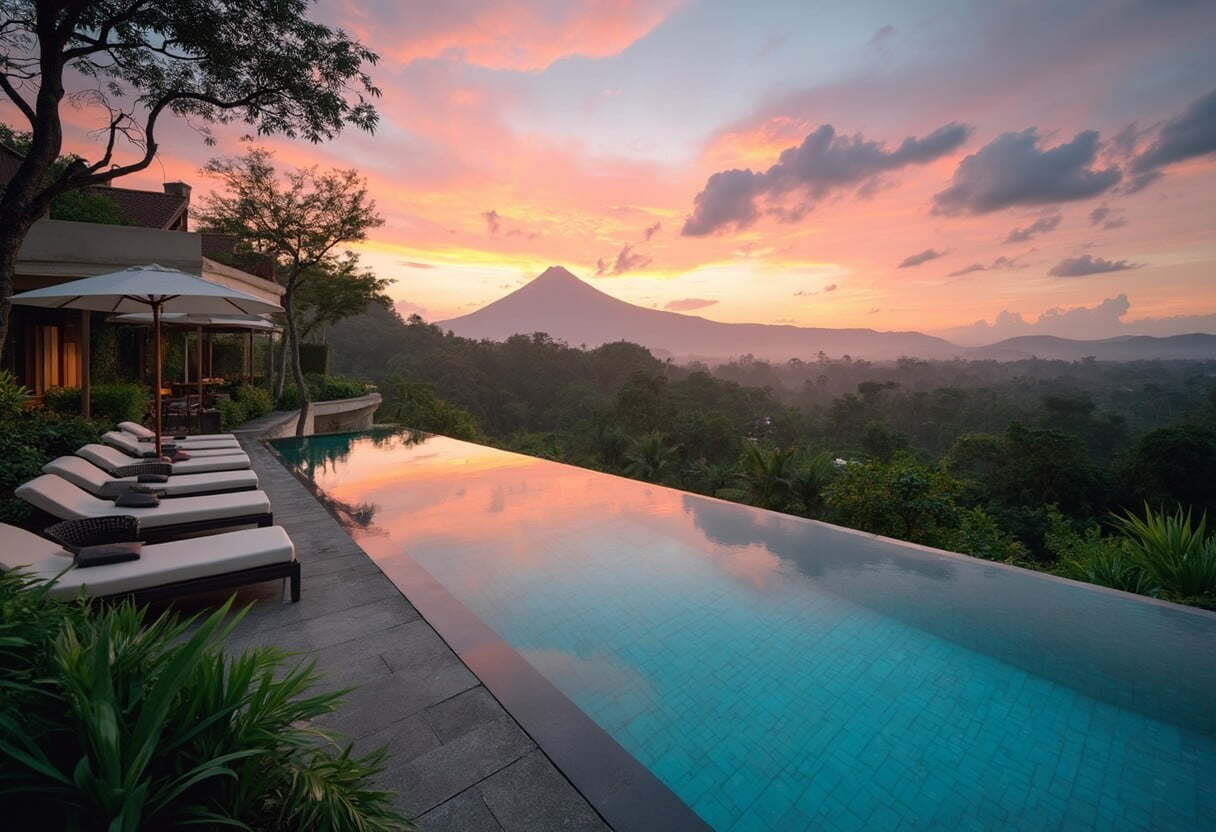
(782, 674)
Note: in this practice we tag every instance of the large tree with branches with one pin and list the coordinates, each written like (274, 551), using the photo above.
(132, 62)
(298, 222)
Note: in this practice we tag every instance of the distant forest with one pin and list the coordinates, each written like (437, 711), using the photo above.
(1019, 461)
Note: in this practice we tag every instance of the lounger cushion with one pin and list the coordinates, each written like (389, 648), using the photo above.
(136, 499)
(110, 460)
(91, 556)
(161, 563)
(134, 448)
(140, 432)
(60, 498)
(81, 472)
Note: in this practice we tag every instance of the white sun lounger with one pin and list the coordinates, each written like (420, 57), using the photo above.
(164, 570)
(97, 482)
(131, 446)
(112, 461)
(144, 434)
(172, 518)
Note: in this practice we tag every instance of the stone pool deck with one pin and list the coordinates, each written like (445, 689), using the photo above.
(459, 761)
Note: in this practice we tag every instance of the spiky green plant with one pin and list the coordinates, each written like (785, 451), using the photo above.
(810, 479)
(123, 724)
(765, 477)
(650, 458)
(1177, 556)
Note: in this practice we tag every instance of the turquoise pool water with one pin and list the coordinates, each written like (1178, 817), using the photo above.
(781, 674)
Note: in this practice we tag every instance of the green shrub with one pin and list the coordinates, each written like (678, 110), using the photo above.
(111, 403)
(978, 535)
(233, 414)
(256, 401)
(314, 359)
(328, 388)
(1093, 558)
(110, 721)
(322, 389)
(13, 396)
(1178, 558)
(28, 440)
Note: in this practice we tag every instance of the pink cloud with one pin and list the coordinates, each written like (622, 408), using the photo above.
(514, 35)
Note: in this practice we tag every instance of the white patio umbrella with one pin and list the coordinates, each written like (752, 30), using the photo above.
(143, 288)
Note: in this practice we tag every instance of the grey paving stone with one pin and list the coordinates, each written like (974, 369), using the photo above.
(531, 796)
(382, 701)
(417, 646)
(406, 739)
(324, 599)
(351, 674)
(459, 762)
(462, 713)
(466, 812)
(439, 775)
(373, 643)
(334, 628)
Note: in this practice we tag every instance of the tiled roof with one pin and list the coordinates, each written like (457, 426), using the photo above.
(148, 208)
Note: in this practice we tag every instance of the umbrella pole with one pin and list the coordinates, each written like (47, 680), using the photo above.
(198, 334)
(156, 390)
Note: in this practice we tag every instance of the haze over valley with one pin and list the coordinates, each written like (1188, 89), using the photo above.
(568, 309)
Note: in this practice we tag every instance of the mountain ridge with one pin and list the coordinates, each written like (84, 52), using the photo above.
(558, 303)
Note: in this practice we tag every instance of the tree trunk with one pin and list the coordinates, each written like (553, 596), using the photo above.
(281, 360)
(8, 268)
(293, 339)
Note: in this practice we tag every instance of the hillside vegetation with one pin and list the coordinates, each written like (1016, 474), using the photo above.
(1034, 462)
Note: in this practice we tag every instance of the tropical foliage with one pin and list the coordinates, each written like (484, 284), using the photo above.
(28, 438)
(113, 721)
(1003, 461)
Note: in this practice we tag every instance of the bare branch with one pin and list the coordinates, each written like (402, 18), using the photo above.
(17, 99)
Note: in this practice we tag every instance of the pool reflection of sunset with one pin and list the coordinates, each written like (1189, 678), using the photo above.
(750, 660)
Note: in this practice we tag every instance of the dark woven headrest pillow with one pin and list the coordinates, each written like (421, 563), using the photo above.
(94, 531)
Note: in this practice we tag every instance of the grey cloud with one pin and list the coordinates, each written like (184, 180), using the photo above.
(406, 308)
(1189, 135)
(1103, 320)
(1102, 216)
(831, 287)
(491, 217)
(688, 304)
(1001, 263)
(823, 163)
(651, 230)
(1141, 181)
(1087, 264)
(626, 261)
(924, 257)
(974, 267)
(1011, 170)
(413, 264)
(879, 39)
(1039, 226)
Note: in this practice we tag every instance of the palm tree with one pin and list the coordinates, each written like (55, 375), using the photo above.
(766, 477)
(650, 458)
(810, 479)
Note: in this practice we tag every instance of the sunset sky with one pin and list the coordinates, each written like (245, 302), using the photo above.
(1038, 166)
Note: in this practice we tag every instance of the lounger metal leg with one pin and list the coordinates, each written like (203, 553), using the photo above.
(294, 577)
